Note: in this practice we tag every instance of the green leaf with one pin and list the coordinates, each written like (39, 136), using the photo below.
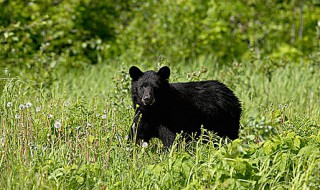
(91, 138)
(79, 179)
(283, 162)
(308, 151)
(296, 143)
(268, 147)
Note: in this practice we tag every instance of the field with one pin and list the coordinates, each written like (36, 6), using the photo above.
(65, 102)
(72, 134)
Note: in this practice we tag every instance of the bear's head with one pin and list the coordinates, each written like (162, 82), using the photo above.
(147, 85)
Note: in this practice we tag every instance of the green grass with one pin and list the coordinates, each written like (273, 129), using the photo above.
(74, 134)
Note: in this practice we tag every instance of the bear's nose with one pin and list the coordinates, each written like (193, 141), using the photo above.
(147, 100)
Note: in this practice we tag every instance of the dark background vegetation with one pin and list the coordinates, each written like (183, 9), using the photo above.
(39, 38)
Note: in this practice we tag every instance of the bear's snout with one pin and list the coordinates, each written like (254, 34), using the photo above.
(147, 100)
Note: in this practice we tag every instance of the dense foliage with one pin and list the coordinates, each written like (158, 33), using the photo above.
(44, 35)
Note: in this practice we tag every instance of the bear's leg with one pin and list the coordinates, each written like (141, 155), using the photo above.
(166, 136)
(143, 130)
(231, 131)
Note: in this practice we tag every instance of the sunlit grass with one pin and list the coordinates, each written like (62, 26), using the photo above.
(73, 134)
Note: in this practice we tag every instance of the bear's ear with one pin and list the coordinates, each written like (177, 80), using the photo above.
(135, 73)
(164, 72)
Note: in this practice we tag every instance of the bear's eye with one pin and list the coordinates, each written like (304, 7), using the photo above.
(143, 86)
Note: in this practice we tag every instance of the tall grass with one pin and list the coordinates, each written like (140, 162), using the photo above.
(73, 134)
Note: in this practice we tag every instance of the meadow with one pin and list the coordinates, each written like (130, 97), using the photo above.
(65, 105)
(73, 133)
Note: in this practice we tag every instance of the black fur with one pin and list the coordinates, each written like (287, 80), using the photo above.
(163, 109)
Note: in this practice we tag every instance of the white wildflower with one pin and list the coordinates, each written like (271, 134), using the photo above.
(144, 144)
(266, 130)
(66, 103)
(28, 105)
(38, 109)
(17, 116)
(269, 127)
(105, 111)
(21, 107)
(49, 116)
(9, 104)
(104, 116)
(97, 115)
(57, 124)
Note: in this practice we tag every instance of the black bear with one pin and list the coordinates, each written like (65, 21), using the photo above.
(163, 109)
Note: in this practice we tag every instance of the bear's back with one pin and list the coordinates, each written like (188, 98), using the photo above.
(206, 92)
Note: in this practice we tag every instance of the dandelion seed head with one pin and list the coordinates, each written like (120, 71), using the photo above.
(28, 105)
(17, 116)
(66, 103)
(144, 144)
(57, 124)
(9, 104)
(21, 107)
